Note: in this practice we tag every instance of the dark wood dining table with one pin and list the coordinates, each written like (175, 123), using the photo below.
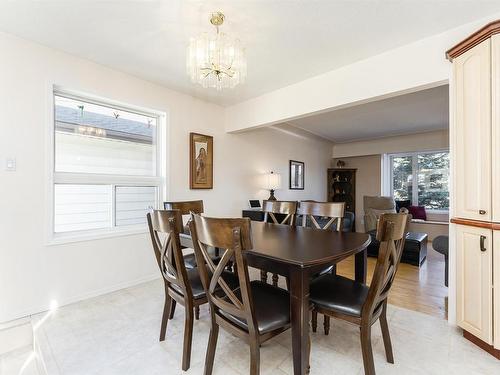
(299, 253)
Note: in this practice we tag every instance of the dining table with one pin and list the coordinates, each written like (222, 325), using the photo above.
(299, 253)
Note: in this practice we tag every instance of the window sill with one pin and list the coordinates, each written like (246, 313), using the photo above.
(71, 237)
(435, 222)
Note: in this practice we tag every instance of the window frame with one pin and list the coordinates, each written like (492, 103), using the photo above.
(387, 186)
(159, 180)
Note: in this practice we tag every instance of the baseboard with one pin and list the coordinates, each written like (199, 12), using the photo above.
(486, 347)
(80, 297)
(15, 335)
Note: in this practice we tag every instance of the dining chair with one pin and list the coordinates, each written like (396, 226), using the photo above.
(255, 311)
(356, 303)
(333, 213)
(271, 208)
(181, 285)
(310, 211)
(185, 208)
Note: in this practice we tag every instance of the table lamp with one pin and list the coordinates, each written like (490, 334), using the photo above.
(273, 183)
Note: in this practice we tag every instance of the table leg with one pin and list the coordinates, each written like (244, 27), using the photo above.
(360, 262)
(299, 308)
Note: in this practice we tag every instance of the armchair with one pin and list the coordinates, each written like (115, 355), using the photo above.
(373, 207)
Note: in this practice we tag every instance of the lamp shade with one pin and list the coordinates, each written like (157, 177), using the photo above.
(273, 181)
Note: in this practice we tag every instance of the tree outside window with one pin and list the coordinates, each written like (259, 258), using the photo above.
(422, 178)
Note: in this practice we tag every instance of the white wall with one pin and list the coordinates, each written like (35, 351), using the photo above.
(427, 141)
(409, 68)
(32, 273)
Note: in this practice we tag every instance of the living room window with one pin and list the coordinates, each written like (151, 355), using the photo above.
(106, 173)
(420, 177)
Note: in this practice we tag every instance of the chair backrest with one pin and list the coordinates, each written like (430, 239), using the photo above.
(391, 232)
(332, 210)
(164, 228)
(287, 208)
(185, 207)
(232, 235)
(348, 221)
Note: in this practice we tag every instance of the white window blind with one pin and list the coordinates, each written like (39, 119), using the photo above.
(133, 203)
(82, 207)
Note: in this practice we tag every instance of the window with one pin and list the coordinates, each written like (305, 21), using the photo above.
(106, 172)
(421, 177)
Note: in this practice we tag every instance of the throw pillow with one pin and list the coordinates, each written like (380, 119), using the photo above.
(418, 212)
(401, 204)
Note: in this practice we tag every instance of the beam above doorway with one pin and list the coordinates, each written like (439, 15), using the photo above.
(412, 67)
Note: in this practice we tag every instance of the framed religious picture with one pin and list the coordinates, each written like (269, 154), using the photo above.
(296, 175)
(201, 157)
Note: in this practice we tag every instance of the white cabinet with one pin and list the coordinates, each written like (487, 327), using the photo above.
(495, 121)
(475, 171)
(475, 279)
(472, 133)
(496, 289)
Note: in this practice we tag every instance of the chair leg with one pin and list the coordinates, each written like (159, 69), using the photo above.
(326, 324)
(275, 279)
(366, 348)
(188, 338)
(314, 321)
(254, 357)
(212, 345)
(263, 276)
(385, 335)
(309, 353)
(334, 269)
(166, 313)
(172, 309)
(197, 312)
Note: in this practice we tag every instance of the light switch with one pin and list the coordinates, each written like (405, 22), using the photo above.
(10, 164)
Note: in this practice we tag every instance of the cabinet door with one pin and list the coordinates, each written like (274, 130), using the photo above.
(495, 125)
(474, 281)
(496, 289)
(472, 133)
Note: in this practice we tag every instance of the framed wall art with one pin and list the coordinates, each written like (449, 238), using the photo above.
(201, 156)
(297, 169)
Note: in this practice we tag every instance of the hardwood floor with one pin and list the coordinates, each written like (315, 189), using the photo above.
(418, 289)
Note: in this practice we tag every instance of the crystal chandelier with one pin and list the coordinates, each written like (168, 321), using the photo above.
(216, 60)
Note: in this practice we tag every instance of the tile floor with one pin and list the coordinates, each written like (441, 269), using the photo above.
(118, 334)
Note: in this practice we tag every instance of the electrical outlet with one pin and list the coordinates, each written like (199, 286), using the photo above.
(10, 164)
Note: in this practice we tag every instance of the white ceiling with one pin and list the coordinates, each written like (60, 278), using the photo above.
(417, 112)
(287, 40)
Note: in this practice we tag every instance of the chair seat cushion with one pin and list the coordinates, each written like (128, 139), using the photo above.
(190, 259)
(440, 244)
(197, 285)
(338, 294)
(271, 306)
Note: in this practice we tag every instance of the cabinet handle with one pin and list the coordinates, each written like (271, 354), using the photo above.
(481, 243)
(482, 212)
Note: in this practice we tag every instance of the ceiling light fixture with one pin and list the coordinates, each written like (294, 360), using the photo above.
(216, 60)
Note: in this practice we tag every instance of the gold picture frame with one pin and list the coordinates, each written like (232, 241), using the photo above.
(201, 157)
